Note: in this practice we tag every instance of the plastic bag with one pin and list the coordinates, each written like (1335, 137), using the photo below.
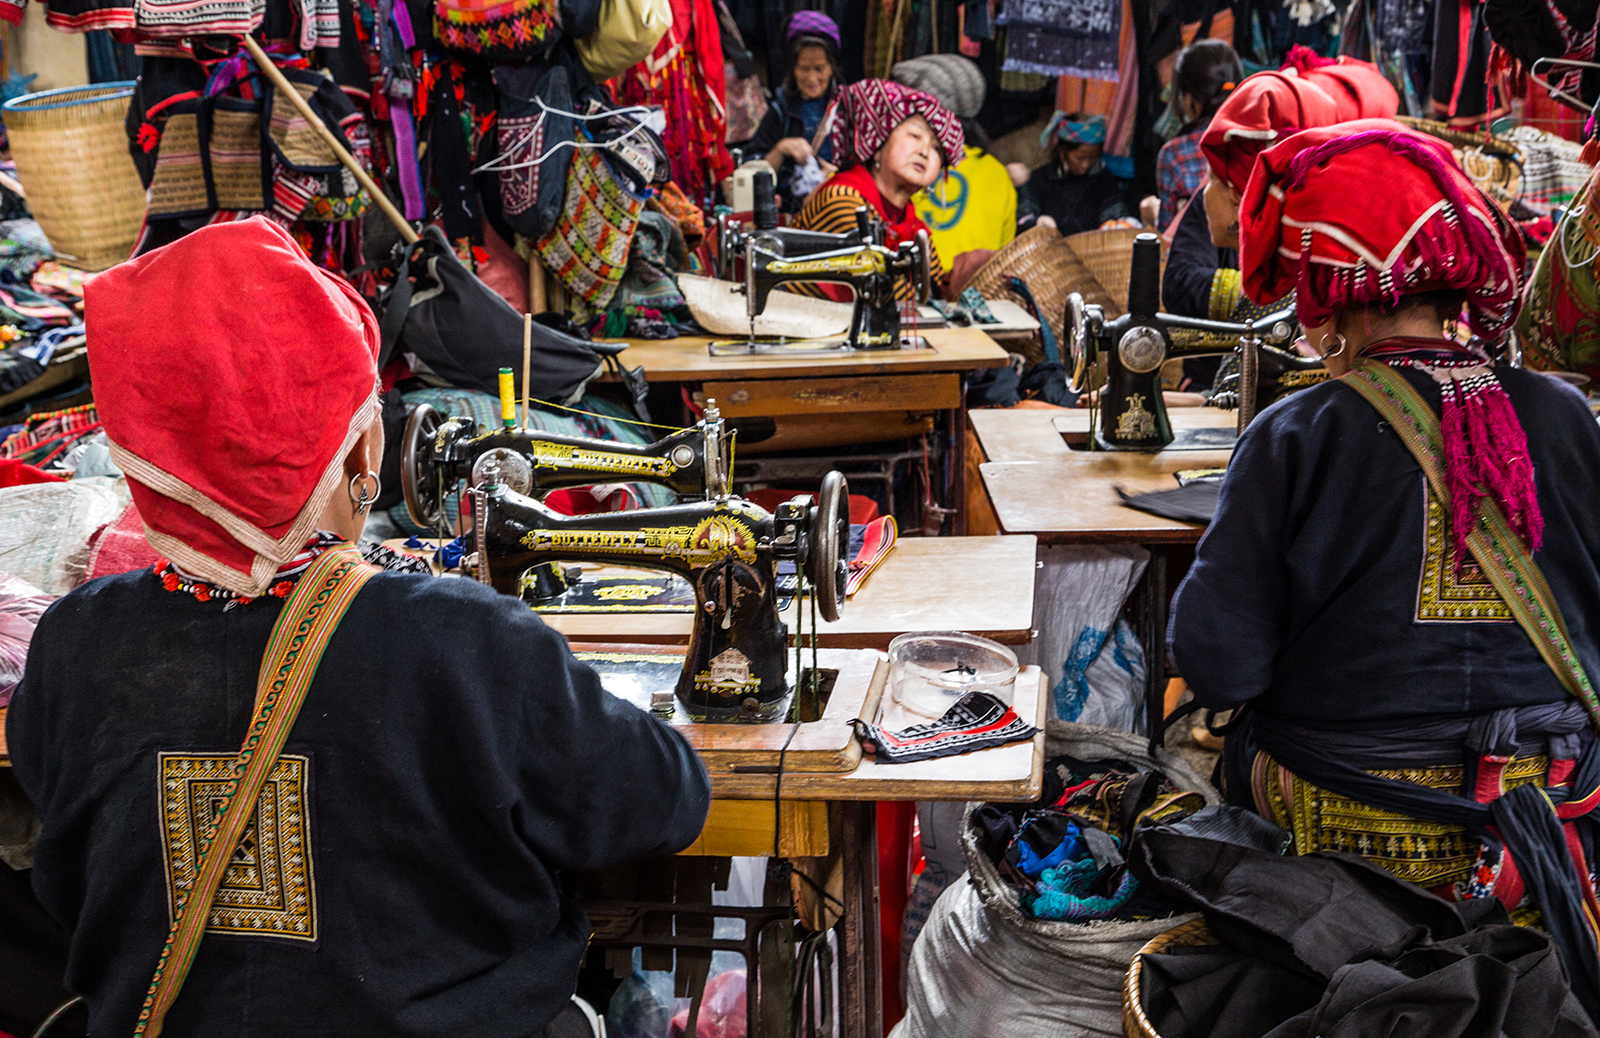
(1095, 664)
(45, 528)
(21, 605)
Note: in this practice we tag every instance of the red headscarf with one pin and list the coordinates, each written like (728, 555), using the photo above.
(233, 378)
(1358, 89)
(1420, 225)
(1264, 109)
(869, 111)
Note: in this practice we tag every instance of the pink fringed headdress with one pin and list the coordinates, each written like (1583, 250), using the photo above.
(1368, 212)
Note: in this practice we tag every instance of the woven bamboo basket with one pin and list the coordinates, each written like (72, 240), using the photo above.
(1108, 255)
(72, 157)
(1135, 1024)
(1042, 258)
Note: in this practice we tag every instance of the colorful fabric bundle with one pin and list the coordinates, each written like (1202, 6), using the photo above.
(1265, 108)
(869, 111)
(1424, 227)
(977, 722)
(496, 28)
(588, 247)
(1560, 323)
(232, 441)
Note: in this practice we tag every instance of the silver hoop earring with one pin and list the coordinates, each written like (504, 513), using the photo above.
(1322, 346)
(364, 499)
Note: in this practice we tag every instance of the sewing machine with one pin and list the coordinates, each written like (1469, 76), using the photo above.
(727, 548)
(1132, 414)
(438, 453)
(774, 256)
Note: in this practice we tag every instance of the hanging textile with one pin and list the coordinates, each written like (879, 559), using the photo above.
(1064, 37)
(685, 78)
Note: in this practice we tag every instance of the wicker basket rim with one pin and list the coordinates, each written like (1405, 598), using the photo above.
(1135, 1023)
(86, 95)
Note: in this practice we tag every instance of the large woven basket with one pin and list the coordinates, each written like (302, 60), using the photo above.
(72, 157)
(1135, 1024)
(1044, 260)
(1108, 255)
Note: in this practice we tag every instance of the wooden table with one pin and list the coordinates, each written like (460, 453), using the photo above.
(745, 821)
(1072, 499)
(982, 585)
(818, 396)
(687, 359)
(1035, 483)
(1040, 434)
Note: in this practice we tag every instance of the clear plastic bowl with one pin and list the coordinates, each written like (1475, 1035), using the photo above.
(930, 671)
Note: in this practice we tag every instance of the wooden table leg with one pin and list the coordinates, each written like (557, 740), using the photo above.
(860, 944)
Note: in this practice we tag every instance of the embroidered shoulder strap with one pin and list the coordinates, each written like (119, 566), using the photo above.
(302, 632)
(1501, 555)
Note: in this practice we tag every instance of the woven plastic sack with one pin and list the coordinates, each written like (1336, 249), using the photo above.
(982, 966)
(45, 528)
(629, 30)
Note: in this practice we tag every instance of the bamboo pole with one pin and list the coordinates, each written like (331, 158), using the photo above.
(284, 87)
(527, 364)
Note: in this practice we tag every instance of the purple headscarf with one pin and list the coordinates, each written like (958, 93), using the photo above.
(811, 23)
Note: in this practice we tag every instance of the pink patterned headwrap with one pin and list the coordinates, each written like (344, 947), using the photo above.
(869, 111)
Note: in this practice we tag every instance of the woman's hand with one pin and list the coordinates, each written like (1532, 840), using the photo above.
(797, 149)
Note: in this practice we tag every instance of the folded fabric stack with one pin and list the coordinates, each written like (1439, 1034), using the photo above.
(1066, 853)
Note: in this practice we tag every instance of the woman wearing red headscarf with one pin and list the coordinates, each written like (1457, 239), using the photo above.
(1202, 274)
(451, 757)
(889, 142)
(1403, 576)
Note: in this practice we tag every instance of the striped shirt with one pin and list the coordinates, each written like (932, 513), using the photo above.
(832, 210)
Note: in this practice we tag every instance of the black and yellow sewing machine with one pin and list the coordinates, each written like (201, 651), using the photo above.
(438, 453)
(727, 548)
(1131, 413)
(773, 256)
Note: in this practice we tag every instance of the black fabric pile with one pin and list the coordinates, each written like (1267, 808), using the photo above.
(1064, 853)
(1331, 945)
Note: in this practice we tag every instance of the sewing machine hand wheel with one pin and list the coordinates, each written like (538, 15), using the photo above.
(924, 269)
(418, 476)
(827, 565)
(1078, 342)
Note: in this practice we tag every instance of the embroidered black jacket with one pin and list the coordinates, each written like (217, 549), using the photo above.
(1325, 589)
(401, 877)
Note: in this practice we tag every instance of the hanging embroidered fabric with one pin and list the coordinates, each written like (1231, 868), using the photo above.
(504, 29)
(1063, 37)
(588, 247)
(684, 77)
(532, 182)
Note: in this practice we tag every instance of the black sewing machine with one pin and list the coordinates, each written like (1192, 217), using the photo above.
(1132, 413)
(773, 256)
(727, 548)
(438, 453)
